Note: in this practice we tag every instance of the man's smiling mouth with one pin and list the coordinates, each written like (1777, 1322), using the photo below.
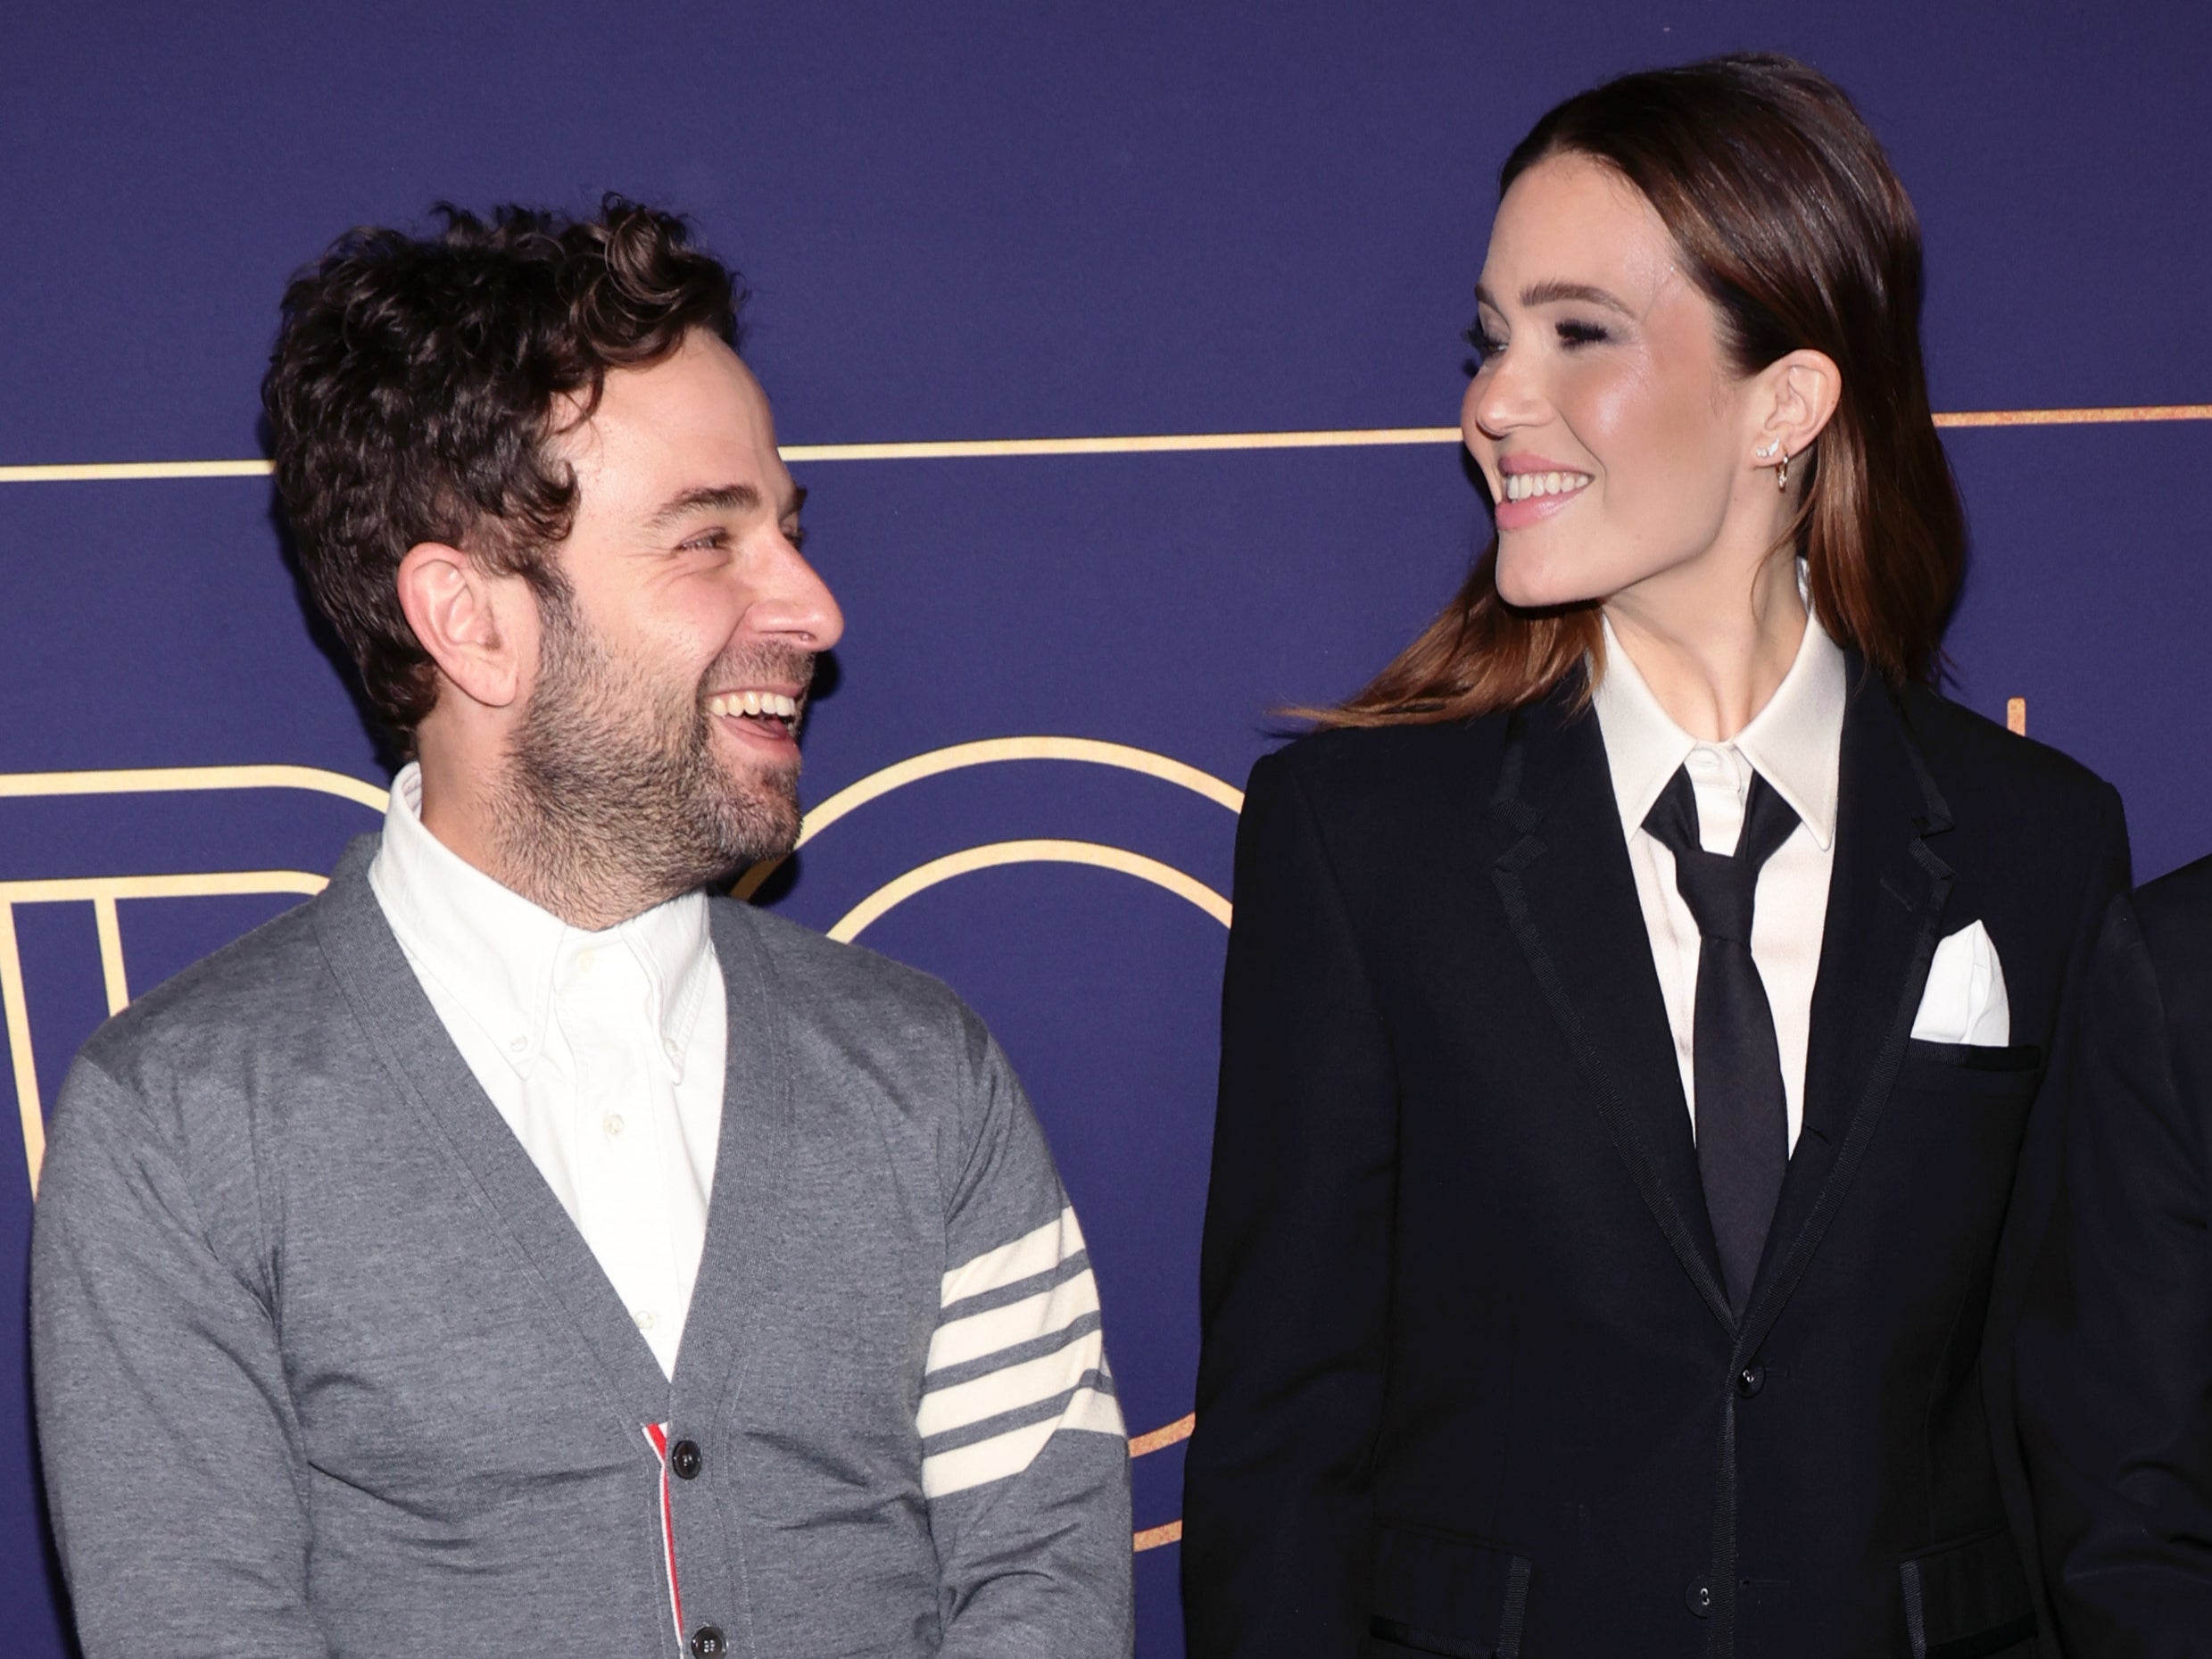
(766, 708)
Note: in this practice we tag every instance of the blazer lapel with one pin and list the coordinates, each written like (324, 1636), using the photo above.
(1561, 869)
(411, 1041)
(1885, 904)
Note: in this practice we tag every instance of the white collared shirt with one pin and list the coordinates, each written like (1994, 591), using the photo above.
(1795, 743)
(603, 1051)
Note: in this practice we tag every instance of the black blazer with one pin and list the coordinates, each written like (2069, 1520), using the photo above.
(2116, 1349)
(1469, 1382)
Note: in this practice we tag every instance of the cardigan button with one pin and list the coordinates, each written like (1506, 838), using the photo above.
(1699, 1599)
(706, 1643)
(684, 1459)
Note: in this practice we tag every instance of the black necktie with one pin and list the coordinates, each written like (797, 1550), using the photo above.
(1742, 1117)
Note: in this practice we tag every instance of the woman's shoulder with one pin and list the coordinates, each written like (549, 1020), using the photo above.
(1366, 760)
(1974, 756)
(1382, 794)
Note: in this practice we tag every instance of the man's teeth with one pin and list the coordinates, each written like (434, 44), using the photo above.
(1520, 485)
(753, 702)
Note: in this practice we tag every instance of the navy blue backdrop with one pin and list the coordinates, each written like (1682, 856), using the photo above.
(995, 222)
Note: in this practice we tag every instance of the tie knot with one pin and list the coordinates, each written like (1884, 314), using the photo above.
(1719, 887)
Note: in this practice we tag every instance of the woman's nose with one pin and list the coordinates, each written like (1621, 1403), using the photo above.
(1502, 397)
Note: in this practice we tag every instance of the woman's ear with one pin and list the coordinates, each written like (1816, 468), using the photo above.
(1797, 395)
(465, 618)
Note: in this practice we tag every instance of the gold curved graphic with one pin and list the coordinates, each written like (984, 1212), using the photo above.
(923, 877)
(1179, 1430)
(989, 751)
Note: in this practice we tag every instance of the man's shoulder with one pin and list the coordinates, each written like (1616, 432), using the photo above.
(823, 981)
(260, 984)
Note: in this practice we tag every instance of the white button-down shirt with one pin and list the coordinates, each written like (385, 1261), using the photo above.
(1795, 743)
(603, 1051)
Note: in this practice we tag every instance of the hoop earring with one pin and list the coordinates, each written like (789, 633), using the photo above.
(1781, 475)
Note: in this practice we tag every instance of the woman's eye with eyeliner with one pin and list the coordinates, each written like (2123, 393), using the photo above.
(1573, 333)
(1484, 344)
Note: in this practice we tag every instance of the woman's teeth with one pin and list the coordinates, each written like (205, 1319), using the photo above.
(1521, 486)
(753, 703)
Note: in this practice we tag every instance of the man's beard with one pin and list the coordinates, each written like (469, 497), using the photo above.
(614, 799)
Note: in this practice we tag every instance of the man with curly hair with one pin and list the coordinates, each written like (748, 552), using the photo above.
(516, 1244)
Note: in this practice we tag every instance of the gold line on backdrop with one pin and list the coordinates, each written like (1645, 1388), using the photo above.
(16, 1008)
(184, 779)
(1140, 444)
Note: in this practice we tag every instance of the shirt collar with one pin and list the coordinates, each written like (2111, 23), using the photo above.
(1795, 743)
(497, 954)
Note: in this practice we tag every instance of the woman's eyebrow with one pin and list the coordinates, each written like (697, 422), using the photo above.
(1551, 292)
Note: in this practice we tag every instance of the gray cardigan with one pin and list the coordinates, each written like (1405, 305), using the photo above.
(323, 1367)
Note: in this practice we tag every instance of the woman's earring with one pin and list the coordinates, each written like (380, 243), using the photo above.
(1781, 475)
(1768, 454)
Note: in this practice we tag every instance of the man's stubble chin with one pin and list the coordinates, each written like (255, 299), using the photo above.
(618, 793)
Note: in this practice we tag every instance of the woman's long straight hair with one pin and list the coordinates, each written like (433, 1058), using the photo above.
(1788, 217)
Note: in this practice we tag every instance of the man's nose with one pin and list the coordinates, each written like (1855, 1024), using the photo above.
(795, 604)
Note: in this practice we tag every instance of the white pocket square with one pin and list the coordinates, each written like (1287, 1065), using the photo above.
(1964, 999)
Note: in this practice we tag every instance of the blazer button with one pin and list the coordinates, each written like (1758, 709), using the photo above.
(684, 1459)
(1751, 1379)
(706, 1643)
(1699, 1599)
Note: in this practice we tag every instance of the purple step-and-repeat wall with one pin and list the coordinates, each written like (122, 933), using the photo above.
(996, 223)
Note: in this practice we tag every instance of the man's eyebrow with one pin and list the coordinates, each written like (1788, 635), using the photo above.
(708, 498)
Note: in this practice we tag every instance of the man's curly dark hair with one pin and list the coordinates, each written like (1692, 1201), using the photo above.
(416, 380)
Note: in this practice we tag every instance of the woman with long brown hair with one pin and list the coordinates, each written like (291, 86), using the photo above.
(1640, 995)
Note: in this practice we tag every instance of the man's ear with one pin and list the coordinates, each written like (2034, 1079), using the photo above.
(467, 617)
(1798, 394)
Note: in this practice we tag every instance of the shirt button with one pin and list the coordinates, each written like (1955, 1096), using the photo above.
(584, 958)
(684, 1459)
(1704, 760)
(644, 1319)
(516, 1045)
(612, 1124)
(1699, 1599)
(706, 1643)
(1751, 1379)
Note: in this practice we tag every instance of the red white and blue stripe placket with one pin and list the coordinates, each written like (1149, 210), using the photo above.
(657, 1434)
